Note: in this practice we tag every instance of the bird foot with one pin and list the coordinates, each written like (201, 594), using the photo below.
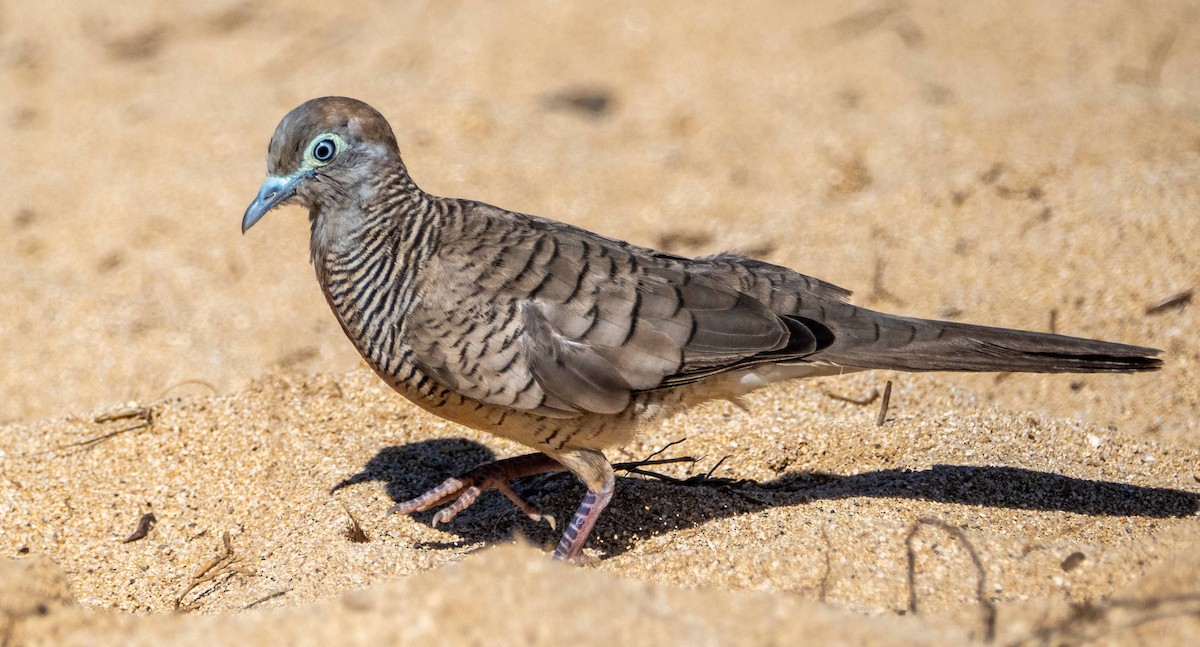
(462, 490)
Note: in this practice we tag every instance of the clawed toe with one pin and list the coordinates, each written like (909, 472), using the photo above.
(449, 489)
(463, 502)
(530, 510)
(462, 491)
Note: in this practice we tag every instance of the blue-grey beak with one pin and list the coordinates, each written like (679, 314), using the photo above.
(272, 193)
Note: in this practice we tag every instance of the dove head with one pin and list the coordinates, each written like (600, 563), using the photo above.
(324, 156)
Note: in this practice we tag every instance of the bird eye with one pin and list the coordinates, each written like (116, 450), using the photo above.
(323, 150)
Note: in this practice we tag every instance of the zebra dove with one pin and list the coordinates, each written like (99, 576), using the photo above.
(567, 341)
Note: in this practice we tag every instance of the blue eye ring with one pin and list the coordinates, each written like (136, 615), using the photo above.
(324, 150)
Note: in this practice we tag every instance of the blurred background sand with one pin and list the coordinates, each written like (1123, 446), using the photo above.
(1023, 164)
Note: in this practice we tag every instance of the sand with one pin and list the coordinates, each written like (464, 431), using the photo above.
(1023, 164)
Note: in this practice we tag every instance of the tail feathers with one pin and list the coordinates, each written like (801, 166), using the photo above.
(876, 340)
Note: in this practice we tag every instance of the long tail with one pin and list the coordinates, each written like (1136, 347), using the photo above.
(868, 339)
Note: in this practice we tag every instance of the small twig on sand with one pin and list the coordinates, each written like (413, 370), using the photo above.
(987, 608)
(122, 414)
(883, 406)
(709, 473)
(195, 382)
(665, 448)
(226, 563)
(269, 596)
(1178, 301)
(146, 414)
(353, 530)
(143, 528)
(636, 467)
(862, 402)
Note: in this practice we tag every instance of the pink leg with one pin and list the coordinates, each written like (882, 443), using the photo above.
(465, 488)
(570, 547)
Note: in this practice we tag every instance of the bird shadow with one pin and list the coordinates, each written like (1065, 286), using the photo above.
(411, 469)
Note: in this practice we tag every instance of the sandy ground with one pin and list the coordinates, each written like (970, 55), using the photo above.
(1023, 164)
